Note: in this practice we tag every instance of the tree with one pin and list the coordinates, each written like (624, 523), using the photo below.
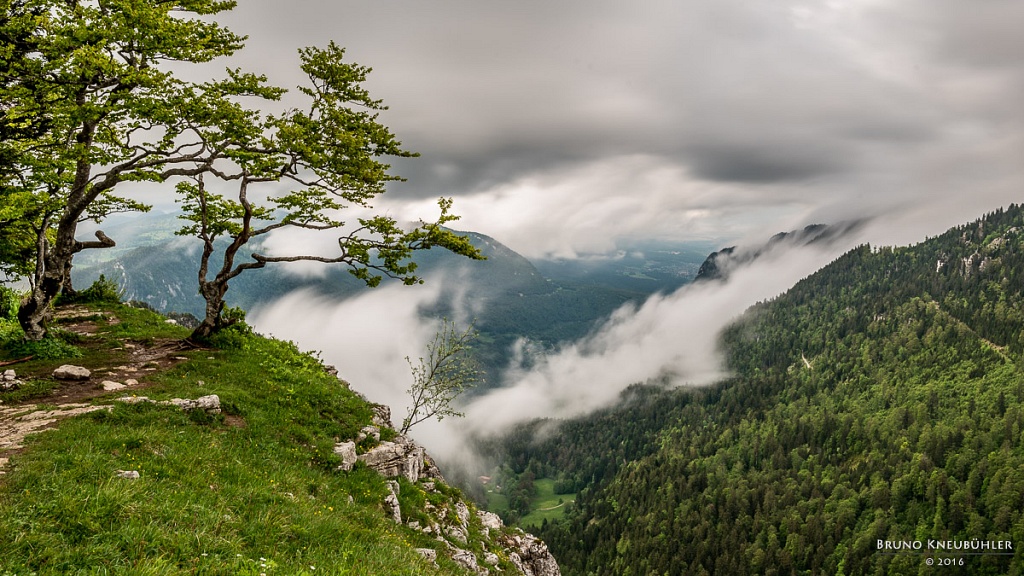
(18, 124)
(439, 378)
(329, 155)
(91, 106)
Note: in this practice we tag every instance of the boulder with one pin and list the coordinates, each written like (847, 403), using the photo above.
(530, 555)
(369, 432)
(391, 505)
(382, 416)
(111, 385)
(403, 457)
(428, 554)
(347, 452)
(71, 372)
(9, 381)
(466, 559)
(128, 474)
(490, 521)
(210, 404)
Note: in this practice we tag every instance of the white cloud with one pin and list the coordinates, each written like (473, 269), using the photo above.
(674, 335)
(366, 337)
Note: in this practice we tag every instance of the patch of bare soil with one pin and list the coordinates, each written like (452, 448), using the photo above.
(135, 363)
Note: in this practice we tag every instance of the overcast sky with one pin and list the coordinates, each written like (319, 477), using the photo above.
(562, 126)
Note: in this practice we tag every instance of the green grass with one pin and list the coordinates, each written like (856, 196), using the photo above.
(496, 501)
(247, 492)
(546, 505)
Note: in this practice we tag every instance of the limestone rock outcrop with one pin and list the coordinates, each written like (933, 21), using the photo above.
(403, 457)
(209, 404)
(452, 523)
(475, 539)
(347, 452)
(530, 555)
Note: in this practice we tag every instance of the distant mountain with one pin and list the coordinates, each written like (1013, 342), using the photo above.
(881, 399)
(719, 264)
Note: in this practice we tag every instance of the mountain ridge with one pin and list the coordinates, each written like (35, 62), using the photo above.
(879, 399)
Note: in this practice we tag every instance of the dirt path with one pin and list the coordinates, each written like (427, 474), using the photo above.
(135, 363)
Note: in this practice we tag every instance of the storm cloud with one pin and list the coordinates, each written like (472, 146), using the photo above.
(791, 112)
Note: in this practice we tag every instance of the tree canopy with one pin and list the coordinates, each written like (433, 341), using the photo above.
(91, 104)
(329, 156)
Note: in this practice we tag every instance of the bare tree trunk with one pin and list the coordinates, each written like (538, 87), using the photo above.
(67, 289)
(213, 293)
(53, 262)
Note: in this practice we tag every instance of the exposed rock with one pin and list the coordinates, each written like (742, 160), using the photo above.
(131, 382)
(71, 372)
(391, 505)
(128, 474)
(209, 404)
(382, 416)
(462, 512)
(18, 422)
(347, 452)
(369, 432)
(10, 375)
(111, 385)
(531, 555)
(136, 400)
(460, 531)
(427, 553)
(456, 532)
(402, 457)
(466, 559)
(490, 521)
(430, 470)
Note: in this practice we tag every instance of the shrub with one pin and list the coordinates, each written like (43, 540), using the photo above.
(102, 290)
(49, 348)
(10, 299)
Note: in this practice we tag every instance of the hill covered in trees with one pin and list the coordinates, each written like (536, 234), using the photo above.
(880, 399)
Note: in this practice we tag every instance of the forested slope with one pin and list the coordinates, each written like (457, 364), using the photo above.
(879, 399)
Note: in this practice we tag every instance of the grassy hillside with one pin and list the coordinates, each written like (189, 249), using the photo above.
(252, 490)
(882, 398)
